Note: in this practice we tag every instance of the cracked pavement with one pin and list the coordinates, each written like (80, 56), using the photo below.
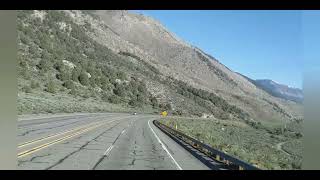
(99, 141)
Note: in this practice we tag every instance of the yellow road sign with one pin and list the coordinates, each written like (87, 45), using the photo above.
(164, 113)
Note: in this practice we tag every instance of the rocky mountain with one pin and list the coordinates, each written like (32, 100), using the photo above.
(280, 90)
(176, 75)
(175, 58)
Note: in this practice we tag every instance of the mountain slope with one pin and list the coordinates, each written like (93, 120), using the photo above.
(184, 62)
(98, 61)
(64, 68)
(131, 61)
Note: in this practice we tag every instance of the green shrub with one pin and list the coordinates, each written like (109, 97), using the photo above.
(119, 90)
(86, 95)
(296, 165)
(84, 79)
(34, 84)
(75, 75)
(177, 113)
(22, 61)
(27, 89)
(63, 75)
(114, 99)
(51, 88)
(69, 84)
(92, 82)
(154, 102)
(105, 97)
(298, 135)
(44, 64)
(73, 91)
(121, 75)
(59, 66)
(137, 101)
(142, 88)
(106, 87)
(165, 107)
(23, 38)
(25, 74)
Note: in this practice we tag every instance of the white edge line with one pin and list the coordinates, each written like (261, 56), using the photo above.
(108, 150)
(164, 147)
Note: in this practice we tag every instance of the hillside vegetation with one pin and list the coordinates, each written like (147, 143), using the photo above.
(83, 61)
(148, 39)
(266, 147)
(64, 62)
(62, 69)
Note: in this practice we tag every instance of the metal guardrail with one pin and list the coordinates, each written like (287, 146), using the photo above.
(229, 162)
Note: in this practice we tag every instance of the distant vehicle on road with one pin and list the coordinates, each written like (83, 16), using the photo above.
(134, 113)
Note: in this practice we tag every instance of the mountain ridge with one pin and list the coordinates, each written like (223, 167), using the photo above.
(176, 52)
(280, 90)
(157, 58)
(79, 61)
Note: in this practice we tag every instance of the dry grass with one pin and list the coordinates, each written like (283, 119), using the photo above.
(255, 146)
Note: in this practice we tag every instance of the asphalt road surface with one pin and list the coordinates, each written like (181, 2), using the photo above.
(101, 141)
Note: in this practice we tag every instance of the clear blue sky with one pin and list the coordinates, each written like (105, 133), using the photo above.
(258, 44)
(311, 39)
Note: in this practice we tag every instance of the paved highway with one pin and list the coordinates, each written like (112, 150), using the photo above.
(99, 141)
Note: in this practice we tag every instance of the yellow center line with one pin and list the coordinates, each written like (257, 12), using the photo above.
(54, 135)
(35, 149)
(60, 133)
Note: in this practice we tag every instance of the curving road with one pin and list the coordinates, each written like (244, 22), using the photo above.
(99, 141)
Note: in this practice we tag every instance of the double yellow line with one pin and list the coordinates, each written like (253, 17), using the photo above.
(72, 133)
(53, 135)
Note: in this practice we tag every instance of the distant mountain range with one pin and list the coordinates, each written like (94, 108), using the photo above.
(278, 90)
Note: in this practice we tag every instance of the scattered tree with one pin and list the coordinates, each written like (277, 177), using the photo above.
(69, 84)
(73, 91)
(119, 90)
(27, 89)
(83, 78)
(114, 99)
(51, 87)
(44, 65)
(75, 75)
(34, 84)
